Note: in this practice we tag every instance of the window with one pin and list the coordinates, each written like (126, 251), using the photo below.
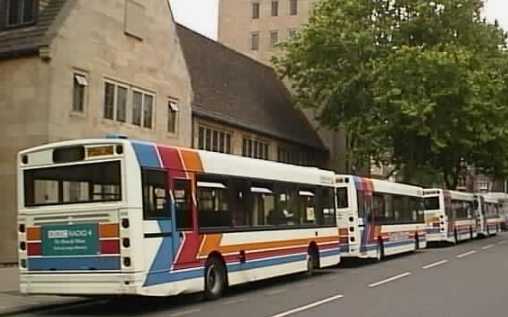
(183, 203)
(274, 38)
(154, 194)
(255, 10)
(431, 203)
(291, 34)
(214, 140)
(21, 12)
(254, 41)
(172, 116)
(326, 210)
(142, 109)
(115, 101)
(293, 7)
(342, 198)
(361, 201)
(85, 183)
(212, 196)
(79, 92)
(263, 203)
(255, 149)
(121, 104)
(275, 8)
(109, 101)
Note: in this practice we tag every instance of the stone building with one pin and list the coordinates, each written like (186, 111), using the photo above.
(86, 68)
(241, 107)
(255, 27)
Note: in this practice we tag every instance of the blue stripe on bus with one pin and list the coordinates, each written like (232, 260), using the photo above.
(388, 244)
(106, 263)
(167, 277)
(146, 154)
(164, 256)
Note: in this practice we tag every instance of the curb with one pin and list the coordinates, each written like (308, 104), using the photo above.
(40, 307)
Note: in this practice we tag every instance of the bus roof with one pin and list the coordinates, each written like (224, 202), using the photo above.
(382, 186)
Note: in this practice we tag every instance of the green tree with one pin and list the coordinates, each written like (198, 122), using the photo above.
(420, 85)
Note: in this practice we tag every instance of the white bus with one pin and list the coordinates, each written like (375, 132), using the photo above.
(114, 216)
(379, 218)
(490, 218)
(450, 216)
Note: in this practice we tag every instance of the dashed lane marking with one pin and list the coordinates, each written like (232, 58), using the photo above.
(185, 312)
(309, 306)
(487, 247)
(438, 263)
(391, 279)
(235, 301)
(277, 291)
(460, 256)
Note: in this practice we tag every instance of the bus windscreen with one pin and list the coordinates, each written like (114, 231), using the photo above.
(84, 183)
(431, 203)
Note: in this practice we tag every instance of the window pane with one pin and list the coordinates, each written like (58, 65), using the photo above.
(274, 38)
(172, 119)
(293, 7)
(154, 194)
(78, 184)
(254, 41)
(215, 141)
(137, 105)
(213, 205)
(221, 142)
(147, 111)
(228, 143)
(109, 101)
(326, 211)
(78, 96)
(244, 147)
(121, 104)
(208, 140)
(14, 14)
(241, 213)
(255, 10)
(28, 11)
(275, 8)
(201, 138)
(342, 198)
(183, 203)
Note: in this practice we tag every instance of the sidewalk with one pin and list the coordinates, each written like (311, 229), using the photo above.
(12, 301)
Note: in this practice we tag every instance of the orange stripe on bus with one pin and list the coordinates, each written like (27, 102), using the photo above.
(207, 248)
(192, 161)
(109, 230)
(33, 234)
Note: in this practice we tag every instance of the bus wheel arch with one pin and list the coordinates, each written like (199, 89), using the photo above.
(215, 276)
(313, 262)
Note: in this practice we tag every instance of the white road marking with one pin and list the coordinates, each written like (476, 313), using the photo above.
(391, 279)
(235, 301)
(502, 242)
(428, 266)
(277, 291)
(309, 306)
(185, 312)
(466, 254)
(487, 247)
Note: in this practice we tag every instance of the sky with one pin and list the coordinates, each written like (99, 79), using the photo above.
(204, 19)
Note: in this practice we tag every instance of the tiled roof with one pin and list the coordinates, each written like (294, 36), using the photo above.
(27, 40)
(232, 88)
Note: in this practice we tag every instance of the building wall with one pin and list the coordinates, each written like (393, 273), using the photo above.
(23, 123)
(236, 24)
(36, 93)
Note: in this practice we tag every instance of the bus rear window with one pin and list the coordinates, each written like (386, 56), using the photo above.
(431, 203)
(98, 182)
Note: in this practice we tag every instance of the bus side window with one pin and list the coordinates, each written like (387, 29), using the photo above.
(154, 194)
(342, 198)
(360, 197)
(182, 200)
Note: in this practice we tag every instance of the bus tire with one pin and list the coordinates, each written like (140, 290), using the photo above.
(215, 278)
(312, 260)
(471, 233)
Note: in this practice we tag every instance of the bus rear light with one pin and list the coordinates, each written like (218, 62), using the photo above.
(125, 223)
(352, 239)
(126, 242)
(351, 229)
(34, 249)
(110, 247)
(351, 219)
(22, 245)
(119, 149)
(33, 234)
(21, 228)
(22, 263)
(109, 230)
(127, 262)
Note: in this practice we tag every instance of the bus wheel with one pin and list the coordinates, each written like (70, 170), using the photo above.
(215, 278)
(471, 233)
(312, 260)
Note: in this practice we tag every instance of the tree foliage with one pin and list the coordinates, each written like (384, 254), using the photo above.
(417, 84)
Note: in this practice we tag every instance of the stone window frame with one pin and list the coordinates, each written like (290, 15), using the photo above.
(274, 38)
(275, 8)
(255, 40)
(255, 10)
(80, 80)
(144, 93)
(293, 7)
(174, 108)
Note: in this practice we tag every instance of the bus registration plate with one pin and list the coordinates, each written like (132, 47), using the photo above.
(70, 240)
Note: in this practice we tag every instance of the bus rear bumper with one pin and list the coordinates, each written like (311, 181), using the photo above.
(81, 284)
